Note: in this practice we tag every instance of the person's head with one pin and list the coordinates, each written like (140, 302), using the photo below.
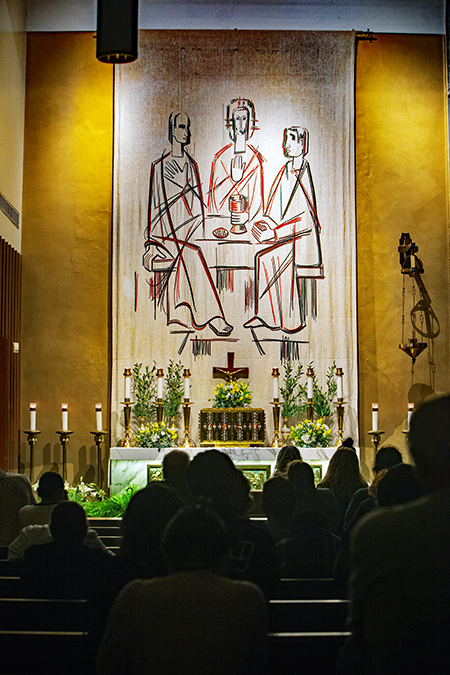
(295, 141)
(179, 128)
(386, 457)
(240, 119)
(348, 443)
(240, 498)
(343, 473)
(301, 475)
(145, 518)
(51, 488)
(400, 484)
(68, 522)
(287, 454)
(278, 498)
(429, 442)
(212, 476)
(195, 539)
(175, 465)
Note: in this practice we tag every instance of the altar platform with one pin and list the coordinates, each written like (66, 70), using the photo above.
(136, 466)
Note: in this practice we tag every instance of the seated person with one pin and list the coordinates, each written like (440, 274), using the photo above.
(66, 567)
(50, 492)
(278, 502)
(175, 465)
(310, 498)
(199, 622)
(15, 492)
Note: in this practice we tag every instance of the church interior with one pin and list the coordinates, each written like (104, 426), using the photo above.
(56, 181)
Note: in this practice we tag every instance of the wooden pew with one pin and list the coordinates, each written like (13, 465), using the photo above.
(304, 652)
(307, 615)
(307, 589)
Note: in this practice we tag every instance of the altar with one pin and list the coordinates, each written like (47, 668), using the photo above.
(136, 466)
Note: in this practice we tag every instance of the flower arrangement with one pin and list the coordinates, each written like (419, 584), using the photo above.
(95, 502)
(156, 435)
(309, 434)
(232, 395)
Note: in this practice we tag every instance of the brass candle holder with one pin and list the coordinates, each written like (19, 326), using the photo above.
(187, 442)
(159, 410)
(98, 437)
(376, 437)
(340, 403)
(64, 437)
(31, 439)
(276, 443)
(126, 440)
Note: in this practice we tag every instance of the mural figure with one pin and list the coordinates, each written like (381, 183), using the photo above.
(236, 187)
(182, 282)
(291, 228)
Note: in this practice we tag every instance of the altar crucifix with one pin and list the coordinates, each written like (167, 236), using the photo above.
(230, 373)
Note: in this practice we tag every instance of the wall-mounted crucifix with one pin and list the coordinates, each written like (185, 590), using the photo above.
(230, 373)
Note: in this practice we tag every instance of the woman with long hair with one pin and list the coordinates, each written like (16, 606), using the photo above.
(343, 477)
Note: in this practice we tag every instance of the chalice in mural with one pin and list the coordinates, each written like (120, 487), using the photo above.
(238, 206)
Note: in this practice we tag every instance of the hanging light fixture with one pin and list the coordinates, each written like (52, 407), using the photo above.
(117, 30)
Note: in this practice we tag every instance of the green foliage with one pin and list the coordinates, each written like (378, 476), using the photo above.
(323, 397)
(174, 388)
(292, 391)
(144, 388)
(96, 504)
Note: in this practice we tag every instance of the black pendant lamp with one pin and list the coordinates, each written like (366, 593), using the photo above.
(117, 30)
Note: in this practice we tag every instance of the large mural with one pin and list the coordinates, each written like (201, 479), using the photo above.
(234, 218)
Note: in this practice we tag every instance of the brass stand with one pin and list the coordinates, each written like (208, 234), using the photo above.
(340, 420)
(32, 438)
(276, 423)
(64, 437)
(159, 410)
(98, 435)
(187, 442)
(376, 437)
(126, 441)
(310, 410)
(285, 431)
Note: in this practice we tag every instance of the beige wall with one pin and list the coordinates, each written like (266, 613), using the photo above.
(12, 102)
(402, 179)
(66, 244)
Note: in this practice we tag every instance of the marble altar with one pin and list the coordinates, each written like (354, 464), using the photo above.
(129, 466)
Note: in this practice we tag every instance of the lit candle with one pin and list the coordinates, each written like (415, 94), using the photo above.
(374, 416)
(98, 416)
(127, 376)
(187, 383)
(65, 417)
(276, 383)
(32, 416)
(410, 412)
(160, 381)
(310, 376)
(339, 382)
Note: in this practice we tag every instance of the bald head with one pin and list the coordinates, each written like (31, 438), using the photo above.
(429, 442)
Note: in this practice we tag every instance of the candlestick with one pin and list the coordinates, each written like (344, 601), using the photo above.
(65, 417)
(310, 394)
(126, 441)
(187, 383)
(339, 382)
(276, 384)
(98, 417)
(98, 436)
(187, 442)
(374, 416)
(127, 383)
(376, 437)
(64, 436)
(32, 416)
(276, 443)
(32, 435)
(160, 381)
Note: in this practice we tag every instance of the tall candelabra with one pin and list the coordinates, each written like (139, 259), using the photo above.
(376, 437)
(98, 437)
(31, 438)
(310, 392)
(187, 441)
(340, 406)
(64, 437)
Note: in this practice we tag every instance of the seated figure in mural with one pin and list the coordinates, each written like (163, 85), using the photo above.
(236, 186)
(291, 229)
(182, 283)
